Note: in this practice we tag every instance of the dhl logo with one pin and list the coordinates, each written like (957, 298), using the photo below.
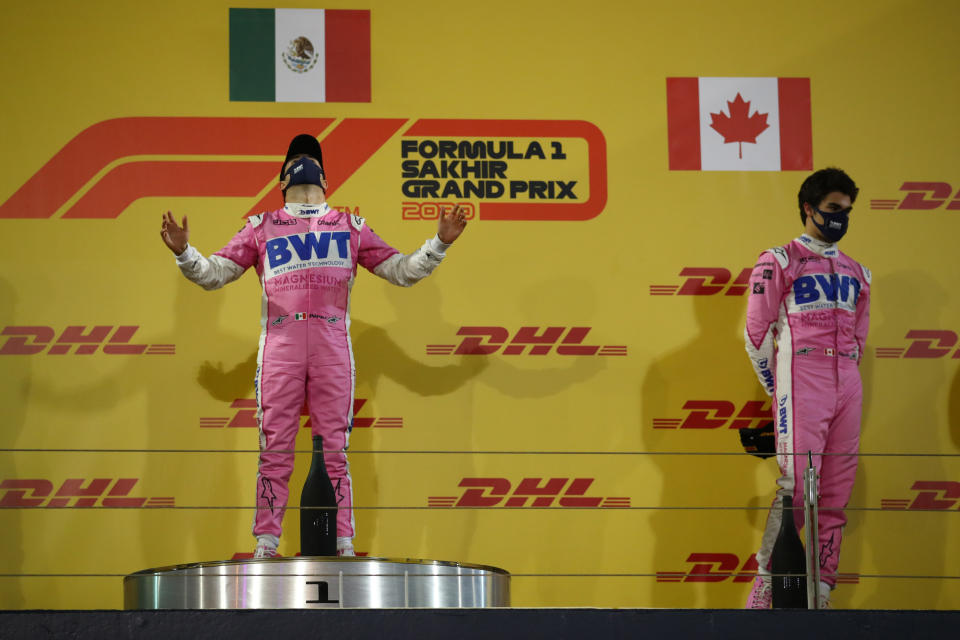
(30, 340)
(111, 164)
(533, 492)
(76, 492)
(246, 417)
(482, 341)
(921, 196)
(927, 343)
(932, 495)
(717, 414)
(705, 281)
(723, 567)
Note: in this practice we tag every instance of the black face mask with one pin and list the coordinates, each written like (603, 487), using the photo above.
(304, 171)
(834, 224)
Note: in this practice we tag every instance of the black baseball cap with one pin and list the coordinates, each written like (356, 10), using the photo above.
(304, 144)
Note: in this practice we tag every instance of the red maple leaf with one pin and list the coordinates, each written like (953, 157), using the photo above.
(739, 126)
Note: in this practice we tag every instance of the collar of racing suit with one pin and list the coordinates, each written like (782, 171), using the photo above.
(825, 249)
(301, 210)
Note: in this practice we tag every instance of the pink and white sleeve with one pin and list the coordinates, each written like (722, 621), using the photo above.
(394, 267)
(862, 325)
(763, 309)
(225, 265)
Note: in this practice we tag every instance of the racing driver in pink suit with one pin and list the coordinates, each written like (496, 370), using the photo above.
(807, 320)
(306, 256)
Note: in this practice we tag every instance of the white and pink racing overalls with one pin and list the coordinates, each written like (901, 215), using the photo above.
(306, 257)
(807, 320)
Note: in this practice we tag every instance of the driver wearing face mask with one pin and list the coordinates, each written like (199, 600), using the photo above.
(306, 255)
(807, 321)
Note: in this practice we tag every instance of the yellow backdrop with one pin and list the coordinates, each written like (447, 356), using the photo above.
(114, 112)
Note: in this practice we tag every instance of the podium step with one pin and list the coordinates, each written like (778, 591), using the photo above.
(317, 583)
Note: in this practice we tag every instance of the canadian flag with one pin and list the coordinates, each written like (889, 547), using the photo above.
(739, 124)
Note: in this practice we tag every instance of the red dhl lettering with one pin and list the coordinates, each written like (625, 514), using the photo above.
(566, 341)
(528, 492)
(75, 492)
(31, 340)
(926, 344)
(716, 414)
(705, 281)
(246, 417)
(932, 495)
(724, 567)
(921, 196)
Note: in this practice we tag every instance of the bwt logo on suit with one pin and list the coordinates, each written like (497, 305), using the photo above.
(310, 246)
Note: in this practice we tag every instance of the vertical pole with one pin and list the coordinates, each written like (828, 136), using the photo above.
(810, 533)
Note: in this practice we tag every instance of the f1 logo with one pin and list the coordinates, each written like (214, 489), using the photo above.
(69, 185)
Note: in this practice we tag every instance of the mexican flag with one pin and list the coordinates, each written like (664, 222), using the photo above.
(739, 124)
(299, 55)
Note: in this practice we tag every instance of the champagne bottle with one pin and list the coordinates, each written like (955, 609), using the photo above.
(318, 527)
(788, 563)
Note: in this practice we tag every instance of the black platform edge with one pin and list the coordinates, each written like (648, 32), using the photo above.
(479, 623)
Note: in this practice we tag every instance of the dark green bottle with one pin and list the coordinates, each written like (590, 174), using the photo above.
(788, 563)
(318, 526)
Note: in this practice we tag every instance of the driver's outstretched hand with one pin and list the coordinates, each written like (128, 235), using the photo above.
(451, 224)
(174, 236)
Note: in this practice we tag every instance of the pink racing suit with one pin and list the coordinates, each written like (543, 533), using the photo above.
(807, 320)
(306, 257)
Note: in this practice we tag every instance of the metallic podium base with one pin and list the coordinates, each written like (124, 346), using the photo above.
(317, 583)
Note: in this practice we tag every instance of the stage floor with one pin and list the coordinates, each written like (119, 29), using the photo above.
(401, 624)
